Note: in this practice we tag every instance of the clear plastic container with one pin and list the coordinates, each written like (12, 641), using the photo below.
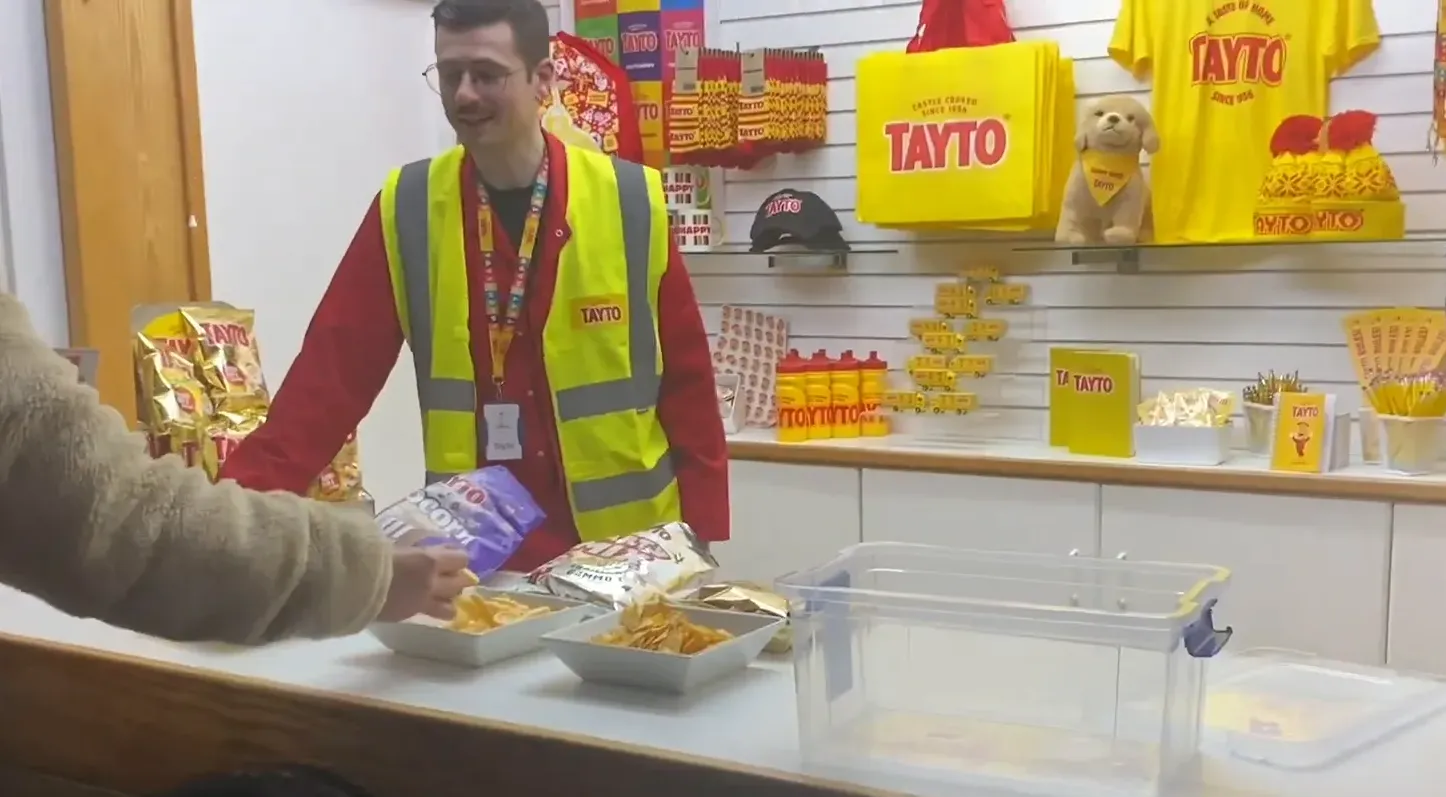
(1294, 711)
(942, 668)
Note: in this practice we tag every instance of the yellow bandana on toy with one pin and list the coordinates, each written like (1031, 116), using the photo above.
(1107, 174)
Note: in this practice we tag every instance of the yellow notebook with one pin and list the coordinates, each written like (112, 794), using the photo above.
(1304, 424)
(1093, 396)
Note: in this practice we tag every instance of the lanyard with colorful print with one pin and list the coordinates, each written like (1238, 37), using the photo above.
(502, 322)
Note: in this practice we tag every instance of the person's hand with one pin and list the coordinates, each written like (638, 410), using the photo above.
(425, 581)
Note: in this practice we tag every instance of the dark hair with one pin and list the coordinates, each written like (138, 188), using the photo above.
(527, 18)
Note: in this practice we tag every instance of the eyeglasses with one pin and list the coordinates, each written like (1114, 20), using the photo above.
(447, 78)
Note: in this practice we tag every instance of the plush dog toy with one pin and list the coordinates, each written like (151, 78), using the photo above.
(1107, 199)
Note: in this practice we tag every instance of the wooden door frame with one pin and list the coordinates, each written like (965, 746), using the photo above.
(71, 184)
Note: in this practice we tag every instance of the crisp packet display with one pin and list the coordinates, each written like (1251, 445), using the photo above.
(487, 513)
(341, 480)
(172, 403)
(224, 435)
(619, 571)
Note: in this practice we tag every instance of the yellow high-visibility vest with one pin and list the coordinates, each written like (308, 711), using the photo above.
(603, 360)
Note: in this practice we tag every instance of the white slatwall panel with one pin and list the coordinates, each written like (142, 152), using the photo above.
(1197, 316)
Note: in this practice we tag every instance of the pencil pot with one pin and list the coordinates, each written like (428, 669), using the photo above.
(1369, 424)
(1259, 426)
(1412, 445)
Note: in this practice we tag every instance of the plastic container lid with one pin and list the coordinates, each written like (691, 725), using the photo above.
(847, 362)
(793, 363)
(873, 363)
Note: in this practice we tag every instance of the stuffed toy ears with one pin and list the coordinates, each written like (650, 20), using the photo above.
(1150, 140)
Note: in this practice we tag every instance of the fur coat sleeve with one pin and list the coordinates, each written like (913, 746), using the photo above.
(92, 524)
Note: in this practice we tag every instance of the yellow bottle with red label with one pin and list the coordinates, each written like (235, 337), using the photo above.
(818, 381)
(873, 382)
(792, 391)
(846, 383)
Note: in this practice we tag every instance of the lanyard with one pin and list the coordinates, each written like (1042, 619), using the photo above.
(502, 322)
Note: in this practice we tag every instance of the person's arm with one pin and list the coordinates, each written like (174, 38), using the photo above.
(688, 406)
(349, 351)
(90, 523)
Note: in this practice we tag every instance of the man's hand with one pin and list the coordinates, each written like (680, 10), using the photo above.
(425, 581)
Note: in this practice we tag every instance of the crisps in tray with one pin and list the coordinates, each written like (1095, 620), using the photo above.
(654, 625)
(478, 614)
(341, 480)
(619, 571)
(749, 598)
(229, 359)
(485, 512)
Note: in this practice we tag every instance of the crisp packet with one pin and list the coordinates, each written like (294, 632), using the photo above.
(170, 400)
(750, 598)
(341, 479)
(486, 512)
(223, 435)
(229, 361)
(617, 572)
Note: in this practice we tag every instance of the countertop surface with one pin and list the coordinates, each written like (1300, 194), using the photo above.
(747, 720)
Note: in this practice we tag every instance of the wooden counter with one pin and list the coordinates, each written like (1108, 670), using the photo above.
(134, 726)
(1025, 460)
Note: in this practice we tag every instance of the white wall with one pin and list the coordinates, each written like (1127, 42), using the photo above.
(1196, 317)
(31, 263)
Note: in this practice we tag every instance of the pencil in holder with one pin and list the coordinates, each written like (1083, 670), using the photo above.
(1412, 445)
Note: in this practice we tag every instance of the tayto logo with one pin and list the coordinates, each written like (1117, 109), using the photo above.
(783, 204)
(640, 41)
(633, 546)
(1237, 63)
(602, 314)
(467, 491)
(606, 45)
(846, 413)
(1284, 224)
(793, 417)
(649, 111)
(1237, 58)
(226, 334)
(1339, 220)
(1094, 384)
(677, 39)
(958, 143)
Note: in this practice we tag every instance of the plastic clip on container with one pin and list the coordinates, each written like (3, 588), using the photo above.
(919, 667)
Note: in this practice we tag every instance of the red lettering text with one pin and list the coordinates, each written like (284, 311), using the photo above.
(1339, 220)
(226, 334)
(606, 45)
(1281, 224)
(1087, 383)
(793, 417)
(960, 143)
(1235, 58)
(642, 41)
(1305, 412)
(677, 39)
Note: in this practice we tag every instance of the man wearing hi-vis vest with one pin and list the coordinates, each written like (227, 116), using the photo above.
(553, 326)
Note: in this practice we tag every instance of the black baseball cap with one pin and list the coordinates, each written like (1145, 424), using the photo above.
(796, 217)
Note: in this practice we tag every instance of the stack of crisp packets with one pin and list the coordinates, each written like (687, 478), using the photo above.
(750, 344)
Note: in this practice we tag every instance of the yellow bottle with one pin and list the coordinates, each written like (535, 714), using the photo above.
(873, 381)
(819, 386)
(792, 391)
(846, 381)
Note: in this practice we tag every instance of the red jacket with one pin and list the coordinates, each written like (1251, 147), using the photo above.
(355, 337)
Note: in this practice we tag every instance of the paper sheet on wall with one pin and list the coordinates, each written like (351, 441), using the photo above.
(750, 344)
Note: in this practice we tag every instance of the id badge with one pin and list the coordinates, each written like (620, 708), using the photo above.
(504, 438)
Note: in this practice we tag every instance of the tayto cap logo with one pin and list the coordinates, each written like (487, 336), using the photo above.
(787, 203)
(640, 41)
(944, 144)
(1236, 63)
(675, 39)
(1284, 224)
(606, 45)
(1340, 220)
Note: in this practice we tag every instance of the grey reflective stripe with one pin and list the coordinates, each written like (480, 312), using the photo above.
(590, 496)
(639, 391)
(413, 233)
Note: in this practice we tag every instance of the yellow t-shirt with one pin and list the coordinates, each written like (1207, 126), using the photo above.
(1226, 73)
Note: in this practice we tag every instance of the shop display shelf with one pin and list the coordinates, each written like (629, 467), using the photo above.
(965, 670)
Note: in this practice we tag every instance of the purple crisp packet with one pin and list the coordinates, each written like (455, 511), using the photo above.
(486, 513)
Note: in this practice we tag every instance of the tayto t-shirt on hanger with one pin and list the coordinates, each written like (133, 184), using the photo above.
(1226, 73)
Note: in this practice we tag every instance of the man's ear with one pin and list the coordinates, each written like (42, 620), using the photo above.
(545, 77)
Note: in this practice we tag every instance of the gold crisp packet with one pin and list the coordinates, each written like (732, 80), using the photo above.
(341, 480)
(1198, 407)
(171, 401)
(744, 596)
(223, 435)
(229, 358)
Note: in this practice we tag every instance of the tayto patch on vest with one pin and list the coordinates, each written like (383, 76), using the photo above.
(590, 312)
(485, 512)
(796, 217)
